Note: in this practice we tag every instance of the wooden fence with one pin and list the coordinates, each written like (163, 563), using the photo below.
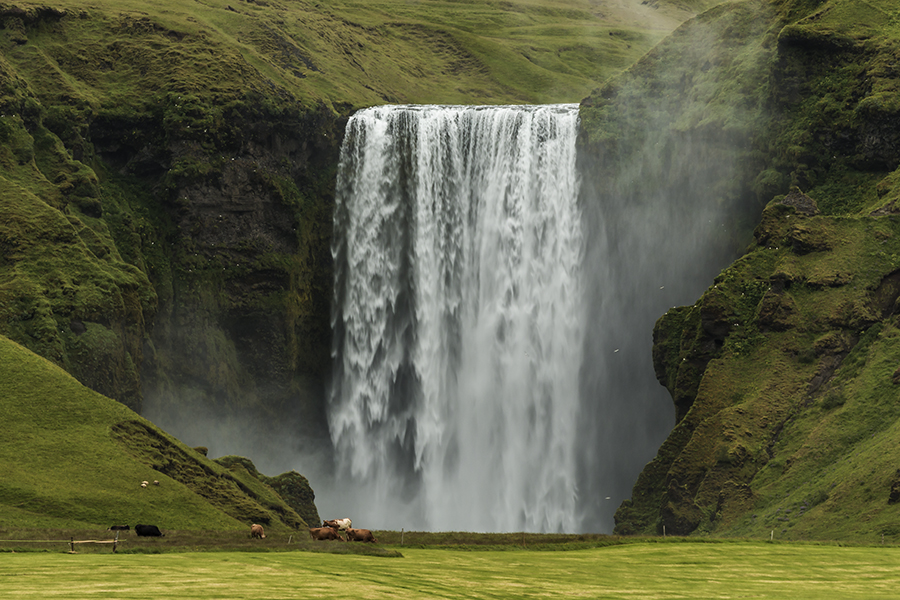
(71, 541)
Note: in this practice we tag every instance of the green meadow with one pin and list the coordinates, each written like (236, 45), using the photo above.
(637, 570)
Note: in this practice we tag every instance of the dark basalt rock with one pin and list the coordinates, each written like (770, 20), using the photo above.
(802, 203)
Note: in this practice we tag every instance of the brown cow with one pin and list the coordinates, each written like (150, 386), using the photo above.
(256, 531)
(360, 535)
(339, 524)
(324, 533)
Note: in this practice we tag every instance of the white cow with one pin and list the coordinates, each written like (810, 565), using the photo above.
(339, 524)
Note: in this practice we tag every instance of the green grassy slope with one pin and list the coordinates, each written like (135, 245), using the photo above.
(784, 372)
(73, 458)
(334, 51)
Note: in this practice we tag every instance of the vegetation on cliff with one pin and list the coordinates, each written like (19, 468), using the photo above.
(291, 486)
(784, 372)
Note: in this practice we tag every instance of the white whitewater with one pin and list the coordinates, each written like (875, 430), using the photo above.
(458, 318)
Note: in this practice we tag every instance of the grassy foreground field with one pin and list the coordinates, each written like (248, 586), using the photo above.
(643, 570)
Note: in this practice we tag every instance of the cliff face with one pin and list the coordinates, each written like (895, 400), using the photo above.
(782, 373)
(800, 393)
(670, 152)
(167, 247)
(244, 274)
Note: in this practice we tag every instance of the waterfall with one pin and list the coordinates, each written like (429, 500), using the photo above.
(458, 318)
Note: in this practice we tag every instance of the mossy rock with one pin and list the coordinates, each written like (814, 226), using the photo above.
(293, 488)
(296, 491)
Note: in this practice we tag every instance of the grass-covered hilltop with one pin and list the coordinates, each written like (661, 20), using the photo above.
(166, 190)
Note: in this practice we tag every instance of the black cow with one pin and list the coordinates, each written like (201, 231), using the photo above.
(119, 528)
(148, 530)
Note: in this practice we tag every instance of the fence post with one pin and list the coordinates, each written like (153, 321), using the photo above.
(72, 544)
(401, 536)
(115, 542)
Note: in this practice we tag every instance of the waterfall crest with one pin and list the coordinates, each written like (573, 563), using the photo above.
(458, 317)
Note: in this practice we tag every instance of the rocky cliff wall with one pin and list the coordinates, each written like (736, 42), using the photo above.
(169, 246)
(779, 370)
(245, 279)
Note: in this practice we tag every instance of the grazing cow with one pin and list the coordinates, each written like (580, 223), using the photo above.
(360, 535)
(256, 531)
(119, 528)
(324, 533)
(339, 524)
(148, 530)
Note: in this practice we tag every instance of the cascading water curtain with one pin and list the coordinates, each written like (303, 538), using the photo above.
(458, 317)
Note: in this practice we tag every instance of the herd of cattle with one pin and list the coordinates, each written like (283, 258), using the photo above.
(330, 530)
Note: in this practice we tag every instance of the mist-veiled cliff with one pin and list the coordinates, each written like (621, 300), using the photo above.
(782, 373)
(669, 150)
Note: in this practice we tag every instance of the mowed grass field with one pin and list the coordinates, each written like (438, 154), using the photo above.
(637, 570)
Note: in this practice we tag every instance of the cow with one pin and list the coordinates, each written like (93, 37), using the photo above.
(148, 530)
(256, 531)
(339, 524)
(324, 533)
(119, 528)
(360, 535)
